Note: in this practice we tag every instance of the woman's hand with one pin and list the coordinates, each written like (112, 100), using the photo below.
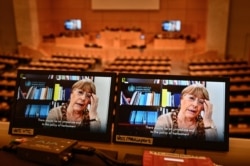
(93, 106)
(208, 111)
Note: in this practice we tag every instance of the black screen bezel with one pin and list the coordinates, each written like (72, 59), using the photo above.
(175, 143)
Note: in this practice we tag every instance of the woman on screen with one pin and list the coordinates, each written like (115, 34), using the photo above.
(76, 112)
(187, 121)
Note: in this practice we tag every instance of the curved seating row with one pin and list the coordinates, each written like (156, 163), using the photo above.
(138, 64)
(238, 71)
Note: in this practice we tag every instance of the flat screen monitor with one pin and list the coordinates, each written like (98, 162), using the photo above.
(73, 24)
(77, 105)
(172, 111)
(171, 25)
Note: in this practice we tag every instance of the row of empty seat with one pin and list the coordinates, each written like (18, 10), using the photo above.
(69, 62)
(140, 64)
(11, 61)
(8, 67)
(22, 58)
(219, 67)
(238, 71)
(77, 56)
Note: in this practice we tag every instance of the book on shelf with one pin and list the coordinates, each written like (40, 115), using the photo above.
(175, 99)
(164, 110)
(132, 117)
(39, 93)
(36, 110)
(30, 93)
(32, 111)
(67, 92)
(156, 99)
(141, 98)
(49, 94)
(44, 92)
(143, 117)
(136, 99)
(140, 117)
(44, 111)
(149, 98)
(123, 99)
(152, 117)
(20, 94)
(164, 99)
(57, 91)
(170, 99)
(27, 110)
(51, 77)
(133, 97)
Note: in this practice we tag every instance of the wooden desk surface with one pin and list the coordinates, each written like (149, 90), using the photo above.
(238, 150)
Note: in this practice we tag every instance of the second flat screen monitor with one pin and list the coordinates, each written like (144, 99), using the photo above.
(172, 111)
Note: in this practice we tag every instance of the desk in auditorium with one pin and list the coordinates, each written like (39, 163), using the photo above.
(238, 150)
(169, 43)
(70, 41)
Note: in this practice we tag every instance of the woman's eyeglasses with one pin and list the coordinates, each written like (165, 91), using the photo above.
(192, 98)
(81, 93)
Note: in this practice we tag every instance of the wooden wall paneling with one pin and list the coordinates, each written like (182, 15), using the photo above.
(196, 4)
(177, 4)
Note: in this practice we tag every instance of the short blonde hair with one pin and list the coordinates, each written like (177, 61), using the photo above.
(85, 84)
(197, 90)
